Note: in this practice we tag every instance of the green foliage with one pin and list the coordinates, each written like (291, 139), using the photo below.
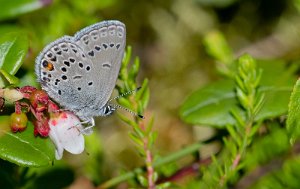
(13, 49)
(293, 121)
(24, 148)
(255, 92)
(142, 134)
(212, 104)
(246, 107)
(12, 9)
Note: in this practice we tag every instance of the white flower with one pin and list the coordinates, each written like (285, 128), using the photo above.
(65, 133)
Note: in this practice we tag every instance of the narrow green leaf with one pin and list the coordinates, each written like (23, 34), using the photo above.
(8, 77)
(136, 139)
(134, 69)
(24, 148)
(150, 125)
(234, 134)
(293, 120)
(127, 120)
(143, 181)
(152, 139)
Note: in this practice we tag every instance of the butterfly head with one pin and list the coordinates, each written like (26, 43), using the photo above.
(108, 110)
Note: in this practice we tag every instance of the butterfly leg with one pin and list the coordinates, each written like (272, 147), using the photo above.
(88, 130)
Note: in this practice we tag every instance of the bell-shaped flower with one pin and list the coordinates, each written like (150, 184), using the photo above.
(65, 133)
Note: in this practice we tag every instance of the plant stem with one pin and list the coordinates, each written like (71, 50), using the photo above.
(162, 161)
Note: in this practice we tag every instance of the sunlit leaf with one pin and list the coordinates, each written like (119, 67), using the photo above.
(24, 148)
(11, 9)
(212, 104)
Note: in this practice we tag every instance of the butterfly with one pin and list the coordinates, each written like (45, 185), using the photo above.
(80, 72)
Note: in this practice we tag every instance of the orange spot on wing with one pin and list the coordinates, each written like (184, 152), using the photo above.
(50, 66)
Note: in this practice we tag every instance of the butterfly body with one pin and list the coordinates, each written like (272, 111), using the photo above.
(80, 72)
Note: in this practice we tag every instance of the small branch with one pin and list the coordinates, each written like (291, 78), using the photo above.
(162, 161)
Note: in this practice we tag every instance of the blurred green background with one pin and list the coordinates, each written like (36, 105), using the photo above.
(167, 36)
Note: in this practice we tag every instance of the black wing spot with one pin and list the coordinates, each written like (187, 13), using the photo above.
(59, 92)
(49, 54)
(63, 69)
(63, 45)
(79, 88)
(97, 48)
(77, 77)
(80, 64)
(86, 39)
(105, 45)
(58, 52)
(74, 50)
(72, 60)
(49, 75)
(111, 45)
(88, 68)
(45, 63)
(107, 65)
(90, 83)
(57, 81)
(118, 46)
(64, 77)
(91, 53)
(67, 63)
(53, 59)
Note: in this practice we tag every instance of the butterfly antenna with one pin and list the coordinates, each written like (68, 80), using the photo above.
(125, 94)
(126, 109)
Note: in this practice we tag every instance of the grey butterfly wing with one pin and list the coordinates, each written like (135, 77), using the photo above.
(63, 71)
(81, 75)
(104, 45)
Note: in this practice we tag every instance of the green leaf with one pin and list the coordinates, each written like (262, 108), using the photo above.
(217, 46)
(212, 104)
(9, 78)
(13, 48)
(293, 120)
(24, 148)
(11, 9)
